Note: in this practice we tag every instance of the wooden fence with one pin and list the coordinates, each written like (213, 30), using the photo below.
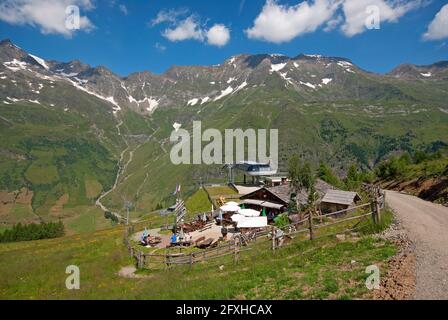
(309, 227)
(151, 261)
(167, 260)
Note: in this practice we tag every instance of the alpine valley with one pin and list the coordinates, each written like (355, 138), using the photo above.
(78, 140)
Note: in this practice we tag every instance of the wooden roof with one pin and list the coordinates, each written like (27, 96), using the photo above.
(283, 192)
(340, 197)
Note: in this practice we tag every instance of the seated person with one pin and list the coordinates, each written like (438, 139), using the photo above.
(224, 232)
(173, 238)
(149, 239)
(143, 240)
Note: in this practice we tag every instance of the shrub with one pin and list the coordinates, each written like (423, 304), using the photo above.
(33, 231)
(326, 174)
(281, 220)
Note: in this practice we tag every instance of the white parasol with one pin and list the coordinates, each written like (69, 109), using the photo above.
(249, 212)
(229, 208)
(237, 217)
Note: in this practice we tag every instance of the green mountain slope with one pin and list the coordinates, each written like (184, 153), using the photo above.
(71, 132)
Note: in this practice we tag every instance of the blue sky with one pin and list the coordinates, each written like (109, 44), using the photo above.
(126, 37)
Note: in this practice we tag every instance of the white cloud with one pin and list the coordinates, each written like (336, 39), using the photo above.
(181, 28)
(185, 30)
(123, 9)
(218, 35)
(160, 47)
(333, 23)
(389, 11)
(281, 23)
(438, 28)
(171, 16)
(48, 15)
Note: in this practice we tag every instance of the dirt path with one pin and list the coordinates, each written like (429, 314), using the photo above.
(121, 169)
(427, 226)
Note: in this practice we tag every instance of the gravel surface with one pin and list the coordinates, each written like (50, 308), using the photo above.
(426, 224)
(399, 282)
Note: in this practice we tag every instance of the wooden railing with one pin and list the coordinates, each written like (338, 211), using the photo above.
(312, 224)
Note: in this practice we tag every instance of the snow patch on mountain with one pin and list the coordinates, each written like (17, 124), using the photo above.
(40, 61)
(344, 64)
(111, 100)
(277, 67)
(192, 102)
(15, 65)
(326, 80)
(204, 100)
(132, 99)
(224, 93)
(232, 62)
(426, 74)
(308, 84)
(241, 86)
(313, 55)
(153, 103)
(284, 76)
(82, 81)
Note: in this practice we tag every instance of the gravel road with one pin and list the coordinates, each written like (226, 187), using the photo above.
(427, 226)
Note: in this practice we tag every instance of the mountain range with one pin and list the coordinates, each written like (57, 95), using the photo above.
(77, 138)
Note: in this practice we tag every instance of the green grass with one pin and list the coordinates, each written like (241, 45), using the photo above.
(90, 219)
(215, 191)
(322, 269)
(52, 152)
(198, 203)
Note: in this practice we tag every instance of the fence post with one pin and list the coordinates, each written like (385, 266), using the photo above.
(131, 249)
(377, 208)
(273, 239)
(235, 251)
(168, 261)
(191, 259)
(373, 208)
(310, 225)
(139, 260)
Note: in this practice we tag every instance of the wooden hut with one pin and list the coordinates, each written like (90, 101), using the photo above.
(336, 200)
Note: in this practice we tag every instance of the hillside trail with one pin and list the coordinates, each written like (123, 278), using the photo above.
(121, 168)
(427, 226)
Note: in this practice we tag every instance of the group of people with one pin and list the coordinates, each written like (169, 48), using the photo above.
(147, 239)
(175, 239)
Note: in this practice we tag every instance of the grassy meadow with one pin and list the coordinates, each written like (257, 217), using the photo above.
(326, 268)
